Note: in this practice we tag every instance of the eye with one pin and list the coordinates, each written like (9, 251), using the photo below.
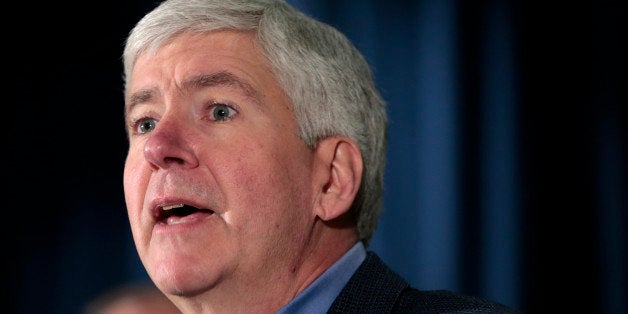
(221, 112)
(145, 125)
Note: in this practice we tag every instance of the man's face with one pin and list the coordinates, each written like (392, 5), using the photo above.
(211, 129)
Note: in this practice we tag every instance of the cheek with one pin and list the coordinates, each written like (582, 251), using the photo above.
(266, 171)
(268, 187)
(134, 187)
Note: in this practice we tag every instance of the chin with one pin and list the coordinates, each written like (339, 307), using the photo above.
(182, 278)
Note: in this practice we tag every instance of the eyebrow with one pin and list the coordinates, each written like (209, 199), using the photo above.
(222, 78)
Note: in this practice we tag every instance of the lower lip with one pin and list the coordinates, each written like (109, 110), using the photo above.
(178, 224)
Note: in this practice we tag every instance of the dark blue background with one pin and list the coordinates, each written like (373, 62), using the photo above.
(506, 175)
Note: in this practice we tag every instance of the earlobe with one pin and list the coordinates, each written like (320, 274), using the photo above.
(341, 176)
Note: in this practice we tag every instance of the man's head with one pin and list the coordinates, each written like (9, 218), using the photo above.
(256, 149)
(327, 80)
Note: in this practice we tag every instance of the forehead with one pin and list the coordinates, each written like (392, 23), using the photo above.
(190, 56)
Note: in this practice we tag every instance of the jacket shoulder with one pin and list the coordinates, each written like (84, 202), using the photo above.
(412, 300)
(376, 288)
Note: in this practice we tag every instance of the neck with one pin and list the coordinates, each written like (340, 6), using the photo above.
(267, 291)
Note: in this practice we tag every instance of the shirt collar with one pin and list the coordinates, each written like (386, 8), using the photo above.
(321, 293)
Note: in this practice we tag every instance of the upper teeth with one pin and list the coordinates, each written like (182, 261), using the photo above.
(169, 207)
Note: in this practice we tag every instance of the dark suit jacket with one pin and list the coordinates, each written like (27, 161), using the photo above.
(375, 288)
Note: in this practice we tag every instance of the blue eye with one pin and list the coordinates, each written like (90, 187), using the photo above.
(146, 125)
(222, 112)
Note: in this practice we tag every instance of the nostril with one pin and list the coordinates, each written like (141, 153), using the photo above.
(173, 160)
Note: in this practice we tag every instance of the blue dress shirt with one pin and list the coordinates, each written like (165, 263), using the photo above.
(318, 296)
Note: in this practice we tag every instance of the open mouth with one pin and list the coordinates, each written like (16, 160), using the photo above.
(171, 213)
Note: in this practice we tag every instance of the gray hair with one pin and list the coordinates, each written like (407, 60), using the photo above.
(328, 81)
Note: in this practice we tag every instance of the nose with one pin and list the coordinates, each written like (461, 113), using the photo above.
(168, 146)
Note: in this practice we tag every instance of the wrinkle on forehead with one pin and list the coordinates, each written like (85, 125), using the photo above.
(216, 79)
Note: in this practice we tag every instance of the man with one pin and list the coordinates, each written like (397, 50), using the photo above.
(253, 179)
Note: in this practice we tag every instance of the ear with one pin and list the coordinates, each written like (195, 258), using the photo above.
(338, 177)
